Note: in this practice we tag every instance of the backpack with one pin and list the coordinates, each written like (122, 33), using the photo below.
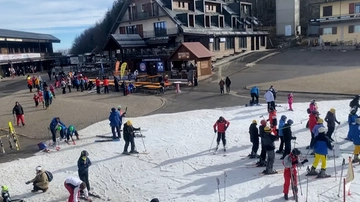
(49, 175)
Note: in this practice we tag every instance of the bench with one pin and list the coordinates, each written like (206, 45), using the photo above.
(153, 89)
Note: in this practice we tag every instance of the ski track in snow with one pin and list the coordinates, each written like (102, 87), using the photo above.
(179, 166)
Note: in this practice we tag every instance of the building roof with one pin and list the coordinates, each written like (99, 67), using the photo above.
(126, 41)
(27, 35)
(196, 48)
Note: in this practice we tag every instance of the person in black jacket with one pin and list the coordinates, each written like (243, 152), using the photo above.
(262, 162)
(227, 84)
(254, 139)
(269, 145)
(19, 112)
(129, 134)
(83, 169)
(287, 135)
(354, 103)
(331, 119)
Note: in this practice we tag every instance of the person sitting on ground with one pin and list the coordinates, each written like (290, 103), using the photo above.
(40, 182)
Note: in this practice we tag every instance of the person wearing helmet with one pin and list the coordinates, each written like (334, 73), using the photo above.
(319, 124)
(220, 127)
(352, 124)
(40, 182)
(254, 139)
(321, 144)
(269, 146)
(83, 164)
(129, 135)
(114, 119)
(281, 125)
(55, 122)
(71, 131)
(313, 106)
(74, 185)
(290, 101)
(273, 120)
(270, 100)
(287, 136)
(290, 162)
(356, 141)
(330, 120)
(262, 160)
(5, 194)
(354, 103)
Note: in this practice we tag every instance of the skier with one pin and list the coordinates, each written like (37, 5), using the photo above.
(272, 89)
(270, 150)
(313, 117)
(352, 123)
(270, 100)
(254, 92)
(287, 135)
(262, 162)
(290, 162)
(356, 141)
(319, 124)
(19, 112)
(74, 186)
(227, 84)
(83, 169)
(154, 200)
(354, 103)
(114, 119)
(62, 130)
(40, 182)
(281, 125)
(55, 122)
(331, 119)
(321, 144)
(290, 101)
(273, 120)
(254, 139)
(71, 131)
(129, 134)
(220, 127)
(5, 194)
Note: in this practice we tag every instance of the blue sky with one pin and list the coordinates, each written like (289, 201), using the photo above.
(65, 19)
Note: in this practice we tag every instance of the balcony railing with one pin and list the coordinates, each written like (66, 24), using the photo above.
(144, 15)
(160, 32)
(337, 18)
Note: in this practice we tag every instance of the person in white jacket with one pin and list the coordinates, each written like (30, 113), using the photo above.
(74, 185)
(269, 97)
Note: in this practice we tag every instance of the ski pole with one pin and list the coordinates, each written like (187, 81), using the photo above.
(341, 175)
(334, 162)
(142, 139)
(225, 175)
(299, 183)
(212, 142)
(307, 188)
(218, 186)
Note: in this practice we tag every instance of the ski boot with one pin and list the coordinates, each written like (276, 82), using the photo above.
(312, 172)
(286, 197)
(322, 174)
(270, 172)
(134, 152)
(279, 152)
(356, 159)
(126, 153)
(261, 163)
(252, 155)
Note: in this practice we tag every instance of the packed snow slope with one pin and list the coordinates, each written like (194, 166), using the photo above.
(179, 166)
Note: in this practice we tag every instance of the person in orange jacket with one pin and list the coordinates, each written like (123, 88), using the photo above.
(30, 84)
(220, 127)
(97, 84)
(273, 120)
(106, 85)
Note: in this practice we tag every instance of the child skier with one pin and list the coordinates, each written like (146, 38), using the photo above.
(36, 99)
(52, 90)
(287, 135)
(331, 119)
(220, 127)
(290, 101)
(262, 162)
(83, 169)
(41, 98)
(321, 144)
(356, 141)
(281, 125)
(313, 117)
(5, 194)
(290, 162)
(273, 120)
(319, 124)
(352, 123)
(254, 139)
(71, 131)
(270, 150)
(128, 133)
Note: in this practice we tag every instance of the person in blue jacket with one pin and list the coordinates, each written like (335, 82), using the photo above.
(320, 124)
(71, 131)
(114, 119)
(321, 144)
(254, 92)
(352, 124)
(83, 169)
(55, 122)
(281, 125)
(356, 141)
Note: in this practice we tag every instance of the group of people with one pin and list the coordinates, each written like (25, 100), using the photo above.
(225, 84)
(66, 133)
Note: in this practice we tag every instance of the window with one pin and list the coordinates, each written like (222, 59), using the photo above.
(327, 31)
(122, 30)
(179, 4)
(160, 29)
(216, 44)
(191, 20)
(131, 29)
(183, 4)
(357, 8)
(207, 7)
(207, 21)
(229, 43)
(327, 11)
(221, 21)
(354, 29)
(263, 40)
(243, 42)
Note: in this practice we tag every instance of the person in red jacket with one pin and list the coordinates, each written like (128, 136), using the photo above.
(290, 163)
(313, 117)
(273, 120)
(220, 127)
(106, 85)
(97, 84)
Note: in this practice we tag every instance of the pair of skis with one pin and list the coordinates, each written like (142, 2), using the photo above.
(216, 150)
(218, 186)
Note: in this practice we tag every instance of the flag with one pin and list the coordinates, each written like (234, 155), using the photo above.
(349, 177)
(117, 65)
(122, 69)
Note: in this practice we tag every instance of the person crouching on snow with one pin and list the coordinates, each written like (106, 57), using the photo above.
(220, 127)
(355, 135)
(254, 139)
(290, 162)
(321, 144)
(74, 186)
(70, 132)
(129, 135)
(269, 145)
(40, 182)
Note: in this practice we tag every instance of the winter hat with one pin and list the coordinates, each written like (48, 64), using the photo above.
(358, 120)
(38, 168)
(263, 122)
(113, 109)
(267, 129)
(119, 107)
(296, 152)
(129, 123)
(154, 200)
(4, 188)
(332, 110)
(322, 130)
(254, 121)
(290, 122)
(320, 120)
(283, 117)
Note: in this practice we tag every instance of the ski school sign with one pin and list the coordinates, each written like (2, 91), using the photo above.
(7, 57)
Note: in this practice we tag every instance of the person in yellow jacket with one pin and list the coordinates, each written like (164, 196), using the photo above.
(40, 182)
(37, 83)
